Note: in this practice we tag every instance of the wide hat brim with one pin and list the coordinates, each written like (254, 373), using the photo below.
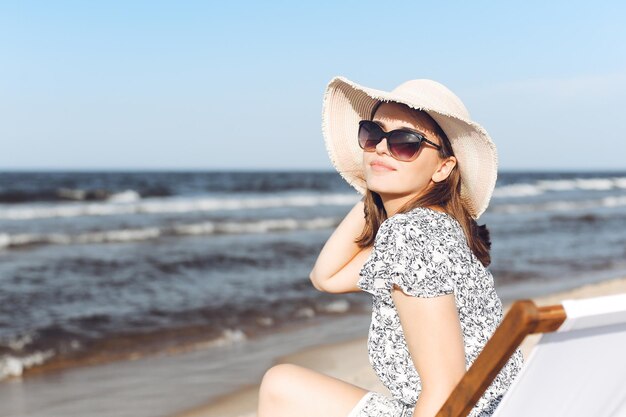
(346, 103)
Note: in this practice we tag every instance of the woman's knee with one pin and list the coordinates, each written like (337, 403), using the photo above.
(277, 379)
(288, 389)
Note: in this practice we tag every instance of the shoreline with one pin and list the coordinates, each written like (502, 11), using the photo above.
(108, 353)
(348, 360)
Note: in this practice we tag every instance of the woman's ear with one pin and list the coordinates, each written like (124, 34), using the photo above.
(444, 169)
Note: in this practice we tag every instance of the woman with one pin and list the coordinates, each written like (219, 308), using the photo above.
(427, 173)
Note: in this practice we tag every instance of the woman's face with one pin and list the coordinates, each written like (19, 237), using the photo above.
(404, 179)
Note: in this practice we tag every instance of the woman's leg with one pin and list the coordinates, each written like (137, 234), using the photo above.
(289, 390)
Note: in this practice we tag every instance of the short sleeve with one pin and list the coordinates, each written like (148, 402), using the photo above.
(409, 254)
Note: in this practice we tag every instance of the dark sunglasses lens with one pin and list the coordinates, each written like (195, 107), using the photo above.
(404, 146)
(369, 135)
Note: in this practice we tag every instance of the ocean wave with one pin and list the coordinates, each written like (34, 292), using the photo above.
(15, 365)
(607, 202)
(337, 306)
(543, 186)
(90, 343)
(104, 195)
(16, 196)
(121, 205)
(130, 202)
(228, 337)
(148, 233)
(235, 227)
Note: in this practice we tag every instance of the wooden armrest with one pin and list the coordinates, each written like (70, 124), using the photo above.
(522, 319)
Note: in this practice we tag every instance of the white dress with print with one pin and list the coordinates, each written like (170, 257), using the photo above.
(425, 253)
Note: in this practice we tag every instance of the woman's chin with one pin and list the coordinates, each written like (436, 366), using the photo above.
(380, 188)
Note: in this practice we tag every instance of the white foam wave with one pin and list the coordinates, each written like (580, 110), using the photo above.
(128, 203)
(260, 226)
(517, 190)
(15, 366)
(542, 186)
(80, 194)
(618, 201)
(142, 234)
(20, 341)
(125, 197)
(306, 312)
(338, 306)
(228, 337)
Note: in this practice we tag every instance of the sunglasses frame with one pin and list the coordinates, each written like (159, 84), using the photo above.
(420, 139)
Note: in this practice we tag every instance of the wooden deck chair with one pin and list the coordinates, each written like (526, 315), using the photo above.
(577, 367)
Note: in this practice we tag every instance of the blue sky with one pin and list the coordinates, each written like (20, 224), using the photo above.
(239, 85)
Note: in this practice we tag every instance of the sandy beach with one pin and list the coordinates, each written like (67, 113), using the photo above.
(348, 360)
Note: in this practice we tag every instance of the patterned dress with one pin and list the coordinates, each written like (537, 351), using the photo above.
(425, 253)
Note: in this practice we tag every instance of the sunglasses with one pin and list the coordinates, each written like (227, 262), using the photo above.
(403, 144)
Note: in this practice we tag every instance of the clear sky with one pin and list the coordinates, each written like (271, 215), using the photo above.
(239, 85)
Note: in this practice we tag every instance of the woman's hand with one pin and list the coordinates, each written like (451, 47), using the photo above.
(337, 267)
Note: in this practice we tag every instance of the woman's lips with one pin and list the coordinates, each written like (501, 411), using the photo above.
(381, 166)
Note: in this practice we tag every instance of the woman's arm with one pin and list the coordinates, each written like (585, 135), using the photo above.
(337, 267)
(432, 330)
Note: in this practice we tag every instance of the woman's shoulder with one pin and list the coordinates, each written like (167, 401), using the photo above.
(422, 219)
(413, 251)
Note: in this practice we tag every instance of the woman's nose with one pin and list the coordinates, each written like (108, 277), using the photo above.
(381, 147)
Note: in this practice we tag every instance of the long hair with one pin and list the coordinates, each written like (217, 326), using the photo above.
(445, 194)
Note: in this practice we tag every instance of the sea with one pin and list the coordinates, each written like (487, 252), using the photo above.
(111, 267)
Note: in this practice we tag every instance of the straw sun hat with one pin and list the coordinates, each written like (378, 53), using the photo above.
(346, 103)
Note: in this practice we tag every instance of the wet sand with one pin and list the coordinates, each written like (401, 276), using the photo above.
(349, 361)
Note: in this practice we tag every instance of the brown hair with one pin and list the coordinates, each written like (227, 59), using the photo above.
(445, 194)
